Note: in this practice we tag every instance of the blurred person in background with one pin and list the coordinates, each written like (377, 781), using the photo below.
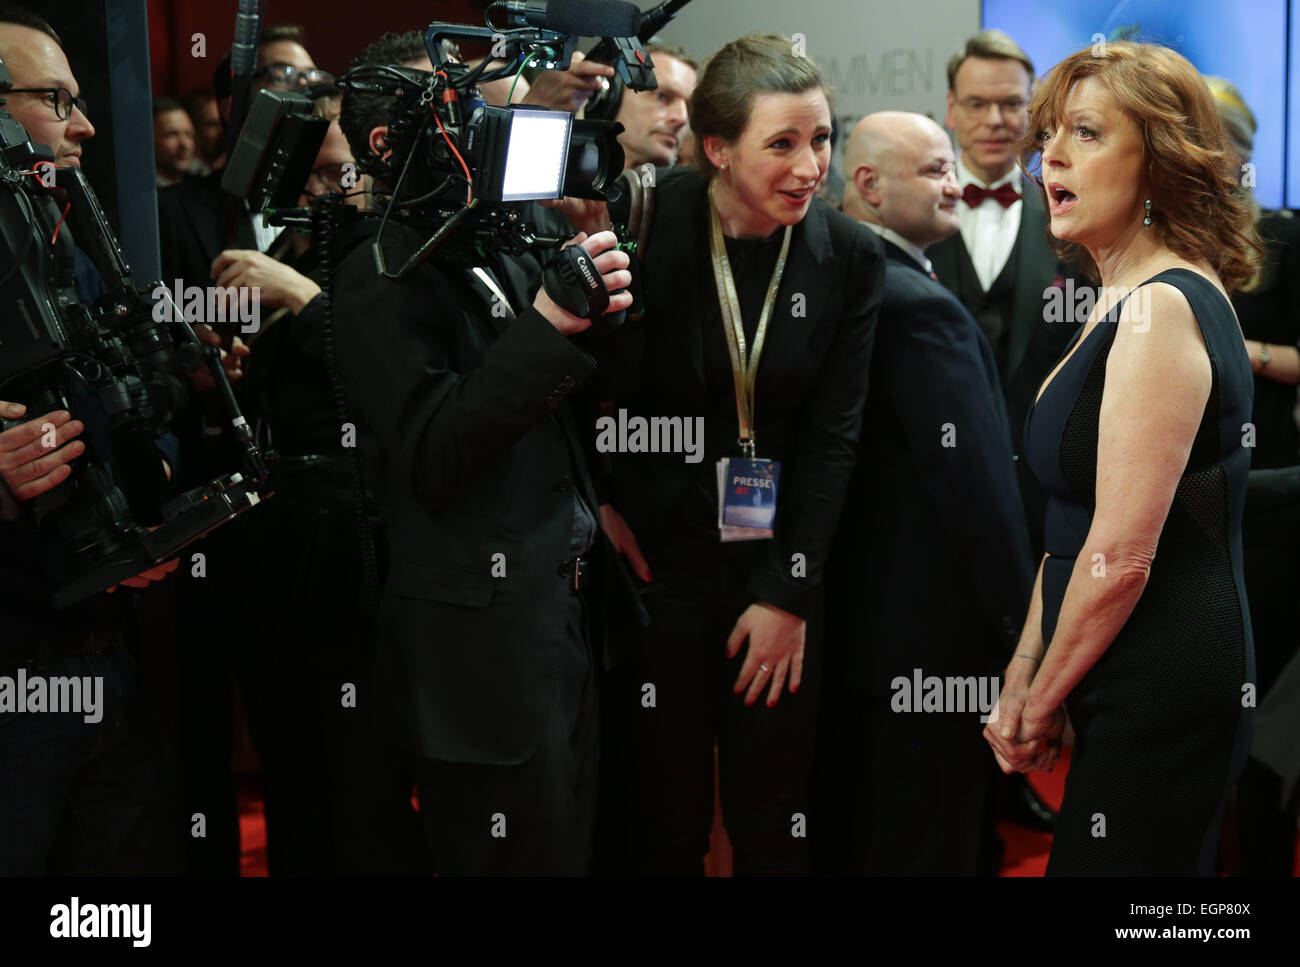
(173, 141)
(1267, 803)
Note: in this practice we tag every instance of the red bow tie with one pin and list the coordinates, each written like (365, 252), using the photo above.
(1004, 194)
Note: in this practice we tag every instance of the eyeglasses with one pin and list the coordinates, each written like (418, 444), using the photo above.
(329, 175)
(287, 77)
(64, 102)
(1011, 107)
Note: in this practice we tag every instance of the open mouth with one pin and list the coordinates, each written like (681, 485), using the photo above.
(1061, 197)
(800, 196)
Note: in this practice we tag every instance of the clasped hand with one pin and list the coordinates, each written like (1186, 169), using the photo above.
(1023, 742)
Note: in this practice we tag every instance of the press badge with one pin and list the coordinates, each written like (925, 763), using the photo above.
(747, 498)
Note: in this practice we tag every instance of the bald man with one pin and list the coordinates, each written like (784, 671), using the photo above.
(931, 568)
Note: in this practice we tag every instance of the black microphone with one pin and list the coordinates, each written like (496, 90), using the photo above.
(243, 62)
(585, 18)
(654, 19)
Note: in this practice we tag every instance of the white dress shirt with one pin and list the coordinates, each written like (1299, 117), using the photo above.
(988, 229)
(892, 236)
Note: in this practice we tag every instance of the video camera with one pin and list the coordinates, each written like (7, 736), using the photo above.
(119, 366)
(457, 162)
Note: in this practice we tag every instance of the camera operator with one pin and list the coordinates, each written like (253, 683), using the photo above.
(483, 668)
(336, 801)
(78, 794)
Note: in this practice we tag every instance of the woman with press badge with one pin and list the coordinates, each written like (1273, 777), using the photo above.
(758, 307)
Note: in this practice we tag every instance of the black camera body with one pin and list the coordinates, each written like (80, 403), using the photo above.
(459, 165)
(120, 366)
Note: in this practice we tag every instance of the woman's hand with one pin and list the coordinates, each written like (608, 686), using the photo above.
(1004, 724)
(612, 265)
(776, 642)
(1046, 732)
(624, 541)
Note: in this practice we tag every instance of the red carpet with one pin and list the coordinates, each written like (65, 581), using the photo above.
(1026, 850)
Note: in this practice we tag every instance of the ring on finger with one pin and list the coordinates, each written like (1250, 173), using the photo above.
(763, 668)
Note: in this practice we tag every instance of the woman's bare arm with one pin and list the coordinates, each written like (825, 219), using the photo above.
(1157, 382)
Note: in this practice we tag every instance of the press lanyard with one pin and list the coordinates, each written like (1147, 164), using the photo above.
(744, 368)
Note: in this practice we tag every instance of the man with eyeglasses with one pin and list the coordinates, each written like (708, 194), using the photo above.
(218, 610)
(1000, 266)
(283, 63)
(76, 796)
(190, 215)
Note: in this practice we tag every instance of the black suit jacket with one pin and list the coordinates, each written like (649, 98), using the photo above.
(189, 229)
(459, 412)
(1035, 344)
(931, 567)
(812, 380)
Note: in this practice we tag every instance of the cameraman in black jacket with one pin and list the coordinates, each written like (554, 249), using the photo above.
(484, 671)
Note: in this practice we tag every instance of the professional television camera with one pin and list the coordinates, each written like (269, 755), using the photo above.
(119, 365)
(463, 167)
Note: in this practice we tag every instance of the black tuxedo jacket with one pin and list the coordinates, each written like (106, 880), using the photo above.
(1034, 345)
(931, 567)
(812, 380)
(189, 229)
(459, 412)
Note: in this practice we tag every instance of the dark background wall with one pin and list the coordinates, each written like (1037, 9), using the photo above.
(123, 52)
(336, 31)
(107, 45)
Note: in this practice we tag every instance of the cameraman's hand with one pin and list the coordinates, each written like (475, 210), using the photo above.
(612, 265)
(568, 90)
(279, 284)
(29, 465)
(232, 362)
(146, 578)
(586, 215)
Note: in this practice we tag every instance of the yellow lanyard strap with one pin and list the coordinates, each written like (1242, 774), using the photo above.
(744, 368)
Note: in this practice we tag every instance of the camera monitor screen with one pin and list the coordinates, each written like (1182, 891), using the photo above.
(535, 156)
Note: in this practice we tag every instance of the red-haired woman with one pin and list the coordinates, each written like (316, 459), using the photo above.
(1139, 624)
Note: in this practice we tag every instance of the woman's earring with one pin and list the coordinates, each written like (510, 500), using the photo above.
(1146, 222)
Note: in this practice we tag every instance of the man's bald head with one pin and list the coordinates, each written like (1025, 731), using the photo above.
(875, 141)
(35, 60)
(881, 140)
(900, 173)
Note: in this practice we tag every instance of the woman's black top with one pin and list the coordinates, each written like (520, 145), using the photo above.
(812, 382)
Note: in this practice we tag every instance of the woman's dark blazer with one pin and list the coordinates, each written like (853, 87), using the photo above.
(812, 381)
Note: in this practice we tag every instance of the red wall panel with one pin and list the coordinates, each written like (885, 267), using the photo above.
(336, 31)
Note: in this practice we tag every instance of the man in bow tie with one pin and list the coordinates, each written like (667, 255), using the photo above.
(999, 264)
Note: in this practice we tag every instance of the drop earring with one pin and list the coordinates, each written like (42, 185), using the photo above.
(1146, 222)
